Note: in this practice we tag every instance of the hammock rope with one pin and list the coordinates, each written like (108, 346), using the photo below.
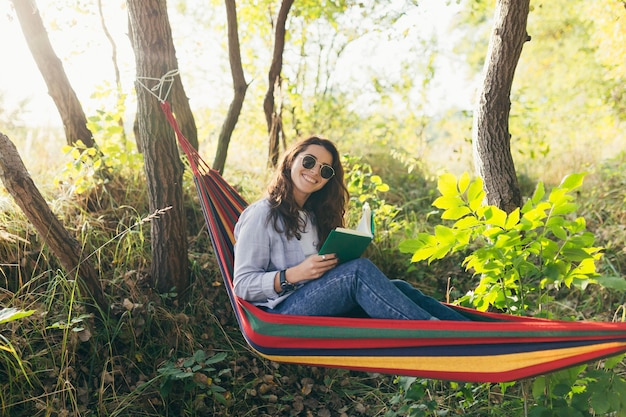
(162, 86)
(492, 347)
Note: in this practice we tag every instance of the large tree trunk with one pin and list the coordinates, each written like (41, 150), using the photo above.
(272, 114)
(239, 86)
(179, 101)
(491, 138)
(154, 57)
(65, 247)
(51, 68)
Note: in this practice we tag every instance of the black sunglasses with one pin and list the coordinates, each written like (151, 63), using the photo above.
(309, 162)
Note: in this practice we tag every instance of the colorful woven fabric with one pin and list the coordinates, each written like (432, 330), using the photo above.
(490, 348)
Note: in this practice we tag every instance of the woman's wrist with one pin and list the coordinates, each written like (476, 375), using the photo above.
(288, 276)
(284, 284)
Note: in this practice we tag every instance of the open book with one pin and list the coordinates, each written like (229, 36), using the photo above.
(350, 244)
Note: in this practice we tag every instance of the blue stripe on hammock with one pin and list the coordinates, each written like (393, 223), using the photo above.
(434, 351)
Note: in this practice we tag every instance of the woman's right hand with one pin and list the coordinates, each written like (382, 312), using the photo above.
(312, 267)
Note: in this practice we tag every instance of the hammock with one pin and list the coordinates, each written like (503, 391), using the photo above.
(491, 348)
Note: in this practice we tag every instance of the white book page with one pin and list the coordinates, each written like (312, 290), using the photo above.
(365, 224)
(364, 228)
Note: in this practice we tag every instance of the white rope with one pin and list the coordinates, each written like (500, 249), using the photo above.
(161, 90)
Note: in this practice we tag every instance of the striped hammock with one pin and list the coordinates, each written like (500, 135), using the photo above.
(490, 348)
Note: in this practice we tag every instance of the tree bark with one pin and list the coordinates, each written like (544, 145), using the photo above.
(65, 247)
(272, 114)
(239, 86)
(490, 135)
(154, 57)
(182, 109)
(179, 103)
(51, 68)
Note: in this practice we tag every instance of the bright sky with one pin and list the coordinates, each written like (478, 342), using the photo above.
(86, 56)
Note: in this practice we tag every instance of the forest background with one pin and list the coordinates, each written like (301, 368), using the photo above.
(392, 83)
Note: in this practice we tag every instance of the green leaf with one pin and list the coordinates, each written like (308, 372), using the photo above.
(558, 197)
(575, 254)
(572, 181)
(11, 314)
(475, 194)
(448, 202)
(539, 193)
(558, 231)
(423, 254)
(218, 357)
(467, 222)
(535, 214)
(383, 188)
(512, 219)
(564, 208)
(455, 213)
(464, 182)
(447, 185)
(199, 355)
(555, 221)
(612, 282)
(441, 251)
(409, 245)
(600, 403)
(613, 361)
(444, 234)
(412, 245)
(495, 216)
(561, 389)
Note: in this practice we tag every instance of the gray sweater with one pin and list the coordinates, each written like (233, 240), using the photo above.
(260, 252)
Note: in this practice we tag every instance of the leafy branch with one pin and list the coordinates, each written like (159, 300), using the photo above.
(542, 245)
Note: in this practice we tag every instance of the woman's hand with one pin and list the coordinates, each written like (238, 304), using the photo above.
(312, 267)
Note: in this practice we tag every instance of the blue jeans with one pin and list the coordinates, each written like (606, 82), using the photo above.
(360, 285)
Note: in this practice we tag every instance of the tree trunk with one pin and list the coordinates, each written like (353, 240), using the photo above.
(65, 247)
(239, 86)
(272, 114)
(154, 57)
(51, 68)
(182, 109)
(490, 136)
(116, 67)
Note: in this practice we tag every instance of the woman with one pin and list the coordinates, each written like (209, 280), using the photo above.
(278, 237)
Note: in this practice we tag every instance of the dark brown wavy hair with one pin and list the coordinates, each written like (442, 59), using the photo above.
(328, 204)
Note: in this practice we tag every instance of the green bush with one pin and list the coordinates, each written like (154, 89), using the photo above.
(521, 256)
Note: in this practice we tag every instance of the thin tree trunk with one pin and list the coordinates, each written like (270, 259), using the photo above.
(239, 86)
(66, 248)
(154, 57)
(116, 68)
(51, 68)
(490, 136)
(272, 114)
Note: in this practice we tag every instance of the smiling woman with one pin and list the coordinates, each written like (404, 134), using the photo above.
(307, 177)
(277, 265)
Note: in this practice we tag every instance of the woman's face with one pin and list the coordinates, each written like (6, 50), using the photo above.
(307, 181)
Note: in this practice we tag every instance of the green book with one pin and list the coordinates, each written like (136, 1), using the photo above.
(350, 244)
